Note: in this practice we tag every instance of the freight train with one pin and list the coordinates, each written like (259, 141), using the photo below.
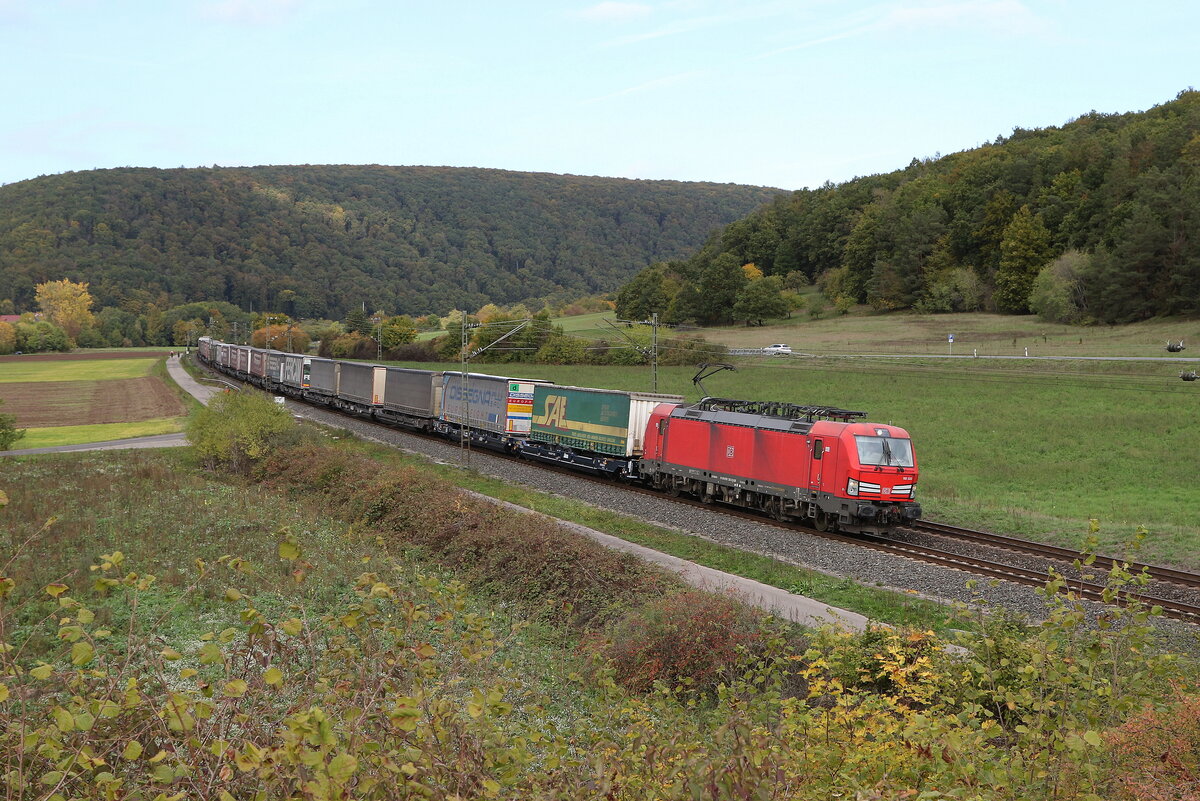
(814, 464)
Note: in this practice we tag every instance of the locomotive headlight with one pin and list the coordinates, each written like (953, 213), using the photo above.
(852, 486)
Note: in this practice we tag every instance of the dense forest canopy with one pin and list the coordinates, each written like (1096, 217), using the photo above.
(1098, 220)
(315, 241)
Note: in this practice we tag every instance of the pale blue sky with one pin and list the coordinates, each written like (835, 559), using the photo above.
(787, 94)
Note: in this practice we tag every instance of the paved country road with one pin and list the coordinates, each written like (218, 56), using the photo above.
(156, 441)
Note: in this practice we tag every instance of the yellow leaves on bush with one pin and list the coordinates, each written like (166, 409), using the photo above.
(289, 549)
(82, 653)
(404, 714)
(210, 653)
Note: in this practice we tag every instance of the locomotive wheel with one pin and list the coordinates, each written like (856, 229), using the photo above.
(826, 522)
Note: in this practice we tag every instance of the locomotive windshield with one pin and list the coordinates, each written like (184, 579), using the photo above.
(884, 451)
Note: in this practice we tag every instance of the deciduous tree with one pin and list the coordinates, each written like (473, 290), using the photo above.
(8, 338)
(67, 304)
(397, 331)
(759, 300)
(1024, 250)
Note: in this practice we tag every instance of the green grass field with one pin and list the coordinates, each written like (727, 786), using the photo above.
(22, 370)
(989, 334)
(75, 435)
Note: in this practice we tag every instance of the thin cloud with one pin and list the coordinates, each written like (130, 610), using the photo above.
(657, 83)
(695, 21)
(15, 11)
(254, 12)
(674, 29)
(1008, 15)
(615, 12)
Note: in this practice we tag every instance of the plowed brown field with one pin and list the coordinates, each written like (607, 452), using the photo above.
(71, 403)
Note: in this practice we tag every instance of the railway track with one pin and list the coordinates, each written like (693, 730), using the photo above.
(985, 566)
(1053, 552)
(990, 568)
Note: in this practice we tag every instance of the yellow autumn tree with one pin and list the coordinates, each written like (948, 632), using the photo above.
(67, 304)
(753, 273)
(8, 338)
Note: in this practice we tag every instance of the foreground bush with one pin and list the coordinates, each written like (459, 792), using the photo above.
(9, 433)
(690, 638)
(237, 429)
(529, 561)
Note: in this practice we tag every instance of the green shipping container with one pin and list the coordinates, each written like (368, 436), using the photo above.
(605, 421)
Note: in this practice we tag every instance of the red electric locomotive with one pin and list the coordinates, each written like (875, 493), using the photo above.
(809, 463)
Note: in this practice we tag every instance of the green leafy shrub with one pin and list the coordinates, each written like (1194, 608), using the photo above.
(238, 429)
(9, 433)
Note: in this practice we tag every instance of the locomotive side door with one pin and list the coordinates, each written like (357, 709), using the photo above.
(816, 463)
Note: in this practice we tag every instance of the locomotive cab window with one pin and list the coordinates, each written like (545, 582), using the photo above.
(884, 451)
(818, 449)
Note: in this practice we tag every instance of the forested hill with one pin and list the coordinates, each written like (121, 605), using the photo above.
(1097, 220)
(318, 240)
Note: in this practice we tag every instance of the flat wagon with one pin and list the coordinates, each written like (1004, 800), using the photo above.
(497, 409)
(597, 429)
(412, 397)
(361, 385)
